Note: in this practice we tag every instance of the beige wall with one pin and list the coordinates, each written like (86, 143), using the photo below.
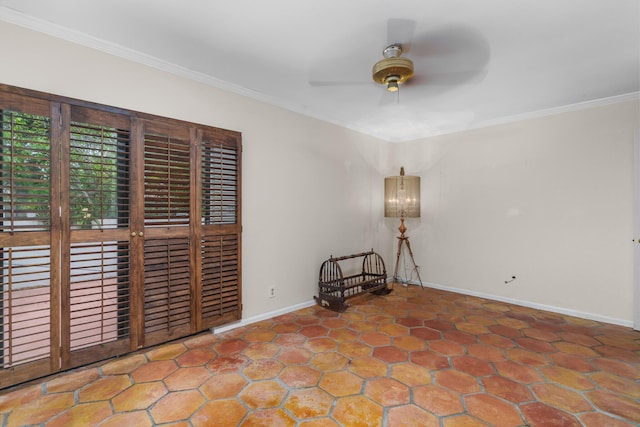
(308, 187)
(548, 200)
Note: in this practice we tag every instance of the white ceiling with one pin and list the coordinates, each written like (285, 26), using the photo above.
(476, 62)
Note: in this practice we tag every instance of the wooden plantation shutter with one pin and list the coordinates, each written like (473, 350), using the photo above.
(96, 218)
(29, 257)
(220, 222)
(191, 229)
(118, 230)
(168, 289)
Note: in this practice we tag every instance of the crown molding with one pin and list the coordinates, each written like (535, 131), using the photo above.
(594, 103)
(45, 27)
(18, 18)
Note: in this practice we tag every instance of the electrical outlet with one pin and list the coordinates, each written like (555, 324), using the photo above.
(272, 292)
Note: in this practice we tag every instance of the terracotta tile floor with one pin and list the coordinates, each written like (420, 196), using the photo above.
(417, 357)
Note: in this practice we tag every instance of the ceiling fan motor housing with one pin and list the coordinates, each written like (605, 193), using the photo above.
(392, 67)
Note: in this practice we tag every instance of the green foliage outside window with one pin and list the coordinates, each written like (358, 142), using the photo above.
(97, 157)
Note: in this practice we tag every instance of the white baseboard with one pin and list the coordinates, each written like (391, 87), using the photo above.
(553, 309)
(260, 317)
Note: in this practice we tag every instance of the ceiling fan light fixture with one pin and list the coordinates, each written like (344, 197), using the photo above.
(392, 68)
(392, 84)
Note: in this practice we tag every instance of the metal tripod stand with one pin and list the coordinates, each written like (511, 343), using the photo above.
(402, 239)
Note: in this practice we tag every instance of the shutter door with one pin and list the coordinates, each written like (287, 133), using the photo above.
(118, 230)
(168, 292)
(220, 234)
(96, 280)
(29, 321)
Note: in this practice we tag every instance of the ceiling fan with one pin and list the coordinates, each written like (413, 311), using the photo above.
(393, 69)
(444, 58)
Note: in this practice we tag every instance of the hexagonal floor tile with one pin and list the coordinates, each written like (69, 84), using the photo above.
(341, 383)
(387, 392)
(309, 403)
(104, 388)
(263, 369)
(294, 355)
(561, 398)
(354, 349)
(263, 394)
(41, 409)
(260, 335)
(195, 357)
(187, 378)
(457, 381)
(507, 389)
(438, 400)
(429, 359)
(321, 344)
(358, 411)
(492, 410)
(617, 384)
(268, 418)
(261, 350)
(177, 406)
(135, 418)
(573, 379)
(154, 371)
(410, 374)
(391, 354)
(299, 376)
(369, 367)
(72, 381)
(375, 339)
(226, 412)
(473, 366)
(223, 386)
(85, 414)
(539, 414)
(166, 352)
(314, 331)
(139, 396)
(518, 372)
(447, 348)
(329, 361)
(616, 404)
(411, 416)
(598, 419)
(227, 364)
(230, 346)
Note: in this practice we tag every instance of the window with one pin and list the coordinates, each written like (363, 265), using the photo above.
(118, 230)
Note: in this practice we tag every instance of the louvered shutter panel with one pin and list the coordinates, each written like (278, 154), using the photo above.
(98, 284)
(220, 246)
(167, 253)
(166, 181)
(26, 270)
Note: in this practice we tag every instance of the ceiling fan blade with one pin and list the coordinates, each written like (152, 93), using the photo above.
(343, 69)
(401, 31)
(451, 78)
(449, 57)
(316, 83)
(453, 48)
